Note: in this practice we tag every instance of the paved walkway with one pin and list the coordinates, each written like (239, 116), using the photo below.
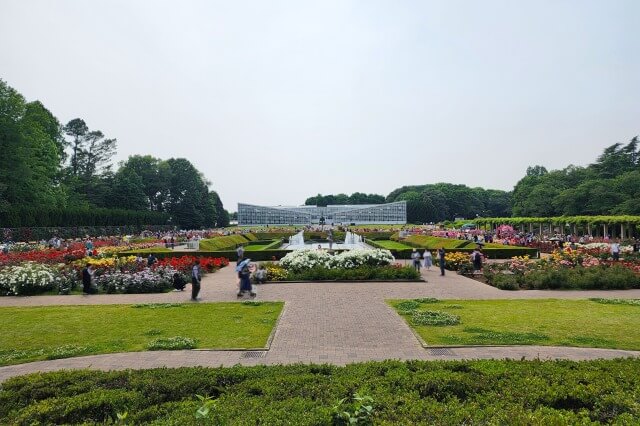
(335, 323)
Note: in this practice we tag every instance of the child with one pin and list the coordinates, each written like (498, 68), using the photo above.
(261, 275)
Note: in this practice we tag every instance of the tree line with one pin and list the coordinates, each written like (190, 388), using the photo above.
(609, 186)
(342, 199)
(64, 174)
(431, 202)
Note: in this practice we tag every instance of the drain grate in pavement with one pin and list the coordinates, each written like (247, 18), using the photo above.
(254, 354)
(441, 352)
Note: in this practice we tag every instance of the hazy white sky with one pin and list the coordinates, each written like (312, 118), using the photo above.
(275, 101)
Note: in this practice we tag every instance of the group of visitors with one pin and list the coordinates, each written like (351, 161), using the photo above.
(427, 258)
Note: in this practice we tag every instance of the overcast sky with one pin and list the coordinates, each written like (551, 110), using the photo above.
(276, 101)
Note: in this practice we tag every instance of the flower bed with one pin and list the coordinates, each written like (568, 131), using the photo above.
(146, 281)
(29, 278)
(34, 269)
(300, 260)
(575, 269)
(185, 263)
(355, 265)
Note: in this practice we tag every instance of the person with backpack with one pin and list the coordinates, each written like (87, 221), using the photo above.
(245, 280)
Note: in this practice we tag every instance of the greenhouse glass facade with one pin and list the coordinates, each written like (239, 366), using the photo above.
(391, 213)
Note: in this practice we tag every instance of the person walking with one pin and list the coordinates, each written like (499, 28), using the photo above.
(196, 278)
(615, 250)
(87, 276)
(476, 259)
(428, 259)
(245, 281)
(415, 257)
(441, 261)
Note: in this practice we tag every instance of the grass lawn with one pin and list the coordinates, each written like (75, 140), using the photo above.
(37, 333)
(256, 247)
(392, 245)
(550, 322)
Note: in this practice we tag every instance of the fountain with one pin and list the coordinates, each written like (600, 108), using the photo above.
(351, 242)
(352, 239)
(297, 240)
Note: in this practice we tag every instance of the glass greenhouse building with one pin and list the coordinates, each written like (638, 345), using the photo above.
(391, 213)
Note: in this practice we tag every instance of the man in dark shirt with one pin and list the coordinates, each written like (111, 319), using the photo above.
(87, 275)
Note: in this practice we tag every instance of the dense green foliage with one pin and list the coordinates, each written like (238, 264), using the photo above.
(341, 199)
(43, 216)
(608, 186)
(51, 171)
(561, 220)
(443, 201)
(414, 392)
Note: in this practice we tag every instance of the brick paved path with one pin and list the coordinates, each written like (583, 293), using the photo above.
(335, 323)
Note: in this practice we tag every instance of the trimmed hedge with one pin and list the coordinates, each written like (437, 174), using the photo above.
(272, 235)
(229, 254)
(17, 217)
(490, 253)
(376, 235)
(601, 277)
(45, 233)
(363, 273)
(223, 243)
(412, 392)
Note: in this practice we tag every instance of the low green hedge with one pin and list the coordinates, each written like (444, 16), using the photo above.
(599, 277)
(490, 253)
(376, 235)
(363, 273)
(412, 392)
(272, 235)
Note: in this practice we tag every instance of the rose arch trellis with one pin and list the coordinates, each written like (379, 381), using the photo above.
(598, 226)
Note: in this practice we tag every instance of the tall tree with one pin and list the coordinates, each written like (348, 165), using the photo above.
(188, 195)
(77, 129)
(156, 178)
(95, 157)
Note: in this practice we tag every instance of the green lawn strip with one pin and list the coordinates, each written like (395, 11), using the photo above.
(549, 322)
(392, 245)
(256, 247)
(37, 333)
